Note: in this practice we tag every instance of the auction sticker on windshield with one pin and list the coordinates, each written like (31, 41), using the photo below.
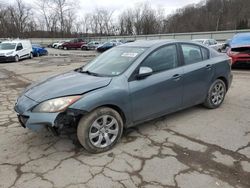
(126, 54)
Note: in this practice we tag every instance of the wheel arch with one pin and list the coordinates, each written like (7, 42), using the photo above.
(224, 80)
(116, 108)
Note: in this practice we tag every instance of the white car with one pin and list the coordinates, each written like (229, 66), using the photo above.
(58, 44)
(14, 50)
(211, 43)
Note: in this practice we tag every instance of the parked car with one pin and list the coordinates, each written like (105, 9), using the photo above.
(211, 43)
(14, 50)
(59, 44)
(90, 46)
(125, 86)
(38, 50)
(239, 49)
(50, 45)
(226, 46)
(73, 44)
(107, 46)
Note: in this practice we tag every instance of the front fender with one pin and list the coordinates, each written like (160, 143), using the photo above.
(116, 96)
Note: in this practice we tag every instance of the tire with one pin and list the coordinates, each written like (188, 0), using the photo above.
(65, 48)
(216, 94)
(16, 58)
(94, 123)
(31, 55)
(37, 55)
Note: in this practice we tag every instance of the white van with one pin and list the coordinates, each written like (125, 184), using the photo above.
(14, 50)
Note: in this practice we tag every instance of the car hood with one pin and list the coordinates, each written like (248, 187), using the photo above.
(71, 83)
(240, 42)
(4, 52)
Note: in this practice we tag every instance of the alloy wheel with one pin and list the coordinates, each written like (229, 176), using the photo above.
(218, 94)
(104, 131)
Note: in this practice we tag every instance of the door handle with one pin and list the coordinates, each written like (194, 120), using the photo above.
(208, 67)
(177, 77)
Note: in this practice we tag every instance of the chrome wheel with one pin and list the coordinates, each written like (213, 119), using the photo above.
(218, 93)
(104, 131)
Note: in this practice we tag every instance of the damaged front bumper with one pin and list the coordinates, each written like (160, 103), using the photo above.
(44, 121)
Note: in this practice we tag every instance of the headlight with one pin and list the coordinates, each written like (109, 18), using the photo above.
(9, 53)
(56, 105)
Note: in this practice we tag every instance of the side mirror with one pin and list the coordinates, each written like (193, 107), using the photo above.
(144, 72)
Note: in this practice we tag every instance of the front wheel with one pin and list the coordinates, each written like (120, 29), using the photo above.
(65, 48)
(16, 58)
(100, 130)
(216, 94)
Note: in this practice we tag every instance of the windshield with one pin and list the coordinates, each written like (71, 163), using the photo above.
(7, 46)
(114, 61)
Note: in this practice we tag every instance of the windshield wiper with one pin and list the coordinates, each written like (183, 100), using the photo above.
(88, 72)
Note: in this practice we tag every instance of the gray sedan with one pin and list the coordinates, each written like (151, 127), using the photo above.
(126, 86)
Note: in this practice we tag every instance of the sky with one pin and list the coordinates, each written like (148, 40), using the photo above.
(87, 6)
(119, 5)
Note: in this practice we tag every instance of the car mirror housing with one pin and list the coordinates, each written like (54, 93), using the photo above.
(144, 72)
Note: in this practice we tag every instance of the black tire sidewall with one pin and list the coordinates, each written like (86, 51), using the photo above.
(85, 124)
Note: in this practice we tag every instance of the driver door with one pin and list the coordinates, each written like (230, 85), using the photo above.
(20, 50)
(161, 92)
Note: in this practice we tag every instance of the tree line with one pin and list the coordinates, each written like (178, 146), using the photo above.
(58, 18)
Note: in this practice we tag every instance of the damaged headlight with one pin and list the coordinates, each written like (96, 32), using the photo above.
(56, 105)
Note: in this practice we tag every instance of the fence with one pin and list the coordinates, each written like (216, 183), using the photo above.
(217, 35)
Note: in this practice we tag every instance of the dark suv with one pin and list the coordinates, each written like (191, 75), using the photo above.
(73, 44)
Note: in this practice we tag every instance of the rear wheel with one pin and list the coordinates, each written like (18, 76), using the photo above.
(100, 130)
(216, 94)
(65, 48)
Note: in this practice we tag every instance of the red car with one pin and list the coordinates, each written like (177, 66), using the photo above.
(239, 49)
(73, 44)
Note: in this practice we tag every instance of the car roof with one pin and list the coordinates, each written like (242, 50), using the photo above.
(148, 43)
(14, 41)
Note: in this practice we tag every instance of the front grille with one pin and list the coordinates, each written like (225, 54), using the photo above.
(244, 57)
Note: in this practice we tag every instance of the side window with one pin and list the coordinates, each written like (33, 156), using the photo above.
(207, 43)
(205, 53)
(162, 59)
(192, 53)
(19, 47)
(211, 42)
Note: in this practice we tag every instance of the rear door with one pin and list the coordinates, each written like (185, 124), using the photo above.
(198, 73)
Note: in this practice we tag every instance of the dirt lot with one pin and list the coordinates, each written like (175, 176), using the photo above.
(194, 148)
